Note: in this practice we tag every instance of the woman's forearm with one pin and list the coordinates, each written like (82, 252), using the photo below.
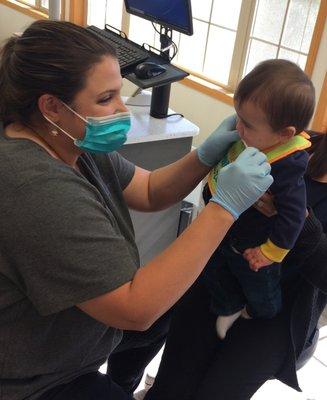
(171, 273)
(170, 184)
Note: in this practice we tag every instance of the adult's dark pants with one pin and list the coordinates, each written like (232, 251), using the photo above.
(125, 368)
(197, 365)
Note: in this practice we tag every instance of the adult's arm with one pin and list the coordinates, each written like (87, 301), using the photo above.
(160, 283)
(153, 191)
(159, 189)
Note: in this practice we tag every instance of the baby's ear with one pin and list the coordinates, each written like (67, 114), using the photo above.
(287, 133)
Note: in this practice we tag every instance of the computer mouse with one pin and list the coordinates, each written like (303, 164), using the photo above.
(148, 69)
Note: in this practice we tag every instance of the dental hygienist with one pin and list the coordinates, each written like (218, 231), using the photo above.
(72, 292)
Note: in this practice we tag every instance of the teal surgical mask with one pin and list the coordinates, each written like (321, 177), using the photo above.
(102, 134)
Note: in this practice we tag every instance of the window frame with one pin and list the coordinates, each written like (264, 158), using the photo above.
(316, 38)
(78, 11)
(72, 10)
(319, 122)
(25, 8)
(37, 6)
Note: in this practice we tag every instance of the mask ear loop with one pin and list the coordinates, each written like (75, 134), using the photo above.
(58, 127)
(73, 111)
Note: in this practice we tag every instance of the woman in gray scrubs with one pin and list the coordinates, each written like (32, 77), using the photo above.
(71, 287)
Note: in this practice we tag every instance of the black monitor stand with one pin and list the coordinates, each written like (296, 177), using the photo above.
(160, 94)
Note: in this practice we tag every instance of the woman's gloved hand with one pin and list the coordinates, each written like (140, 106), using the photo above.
(212, 150)
(243, 182)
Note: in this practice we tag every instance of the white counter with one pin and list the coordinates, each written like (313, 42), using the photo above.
(148, 129)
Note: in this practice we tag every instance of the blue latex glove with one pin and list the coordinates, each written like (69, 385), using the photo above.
(213, 149)
(243, 182)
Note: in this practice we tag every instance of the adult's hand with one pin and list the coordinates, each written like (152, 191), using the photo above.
(243, 182)
(212, 150)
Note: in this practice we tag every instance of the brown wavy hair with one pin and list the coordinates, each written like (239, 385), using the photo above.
(49, 57)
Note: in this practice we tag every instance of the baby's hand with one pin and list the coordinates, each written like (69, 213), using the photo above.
(256, 258)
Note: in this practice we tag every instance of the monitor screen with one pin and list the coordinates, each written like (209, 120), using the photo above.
(174, 14)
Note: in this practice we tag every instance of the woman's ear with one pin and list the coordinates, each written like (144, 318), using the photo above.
(287, 133)
(50, 106)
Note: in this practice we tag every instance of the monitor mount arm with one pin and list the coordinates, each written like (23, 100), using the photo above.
(160, 94)
(165, 40)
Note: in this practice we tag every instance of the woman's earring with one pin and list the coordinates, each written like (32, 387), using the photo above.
(54, 132)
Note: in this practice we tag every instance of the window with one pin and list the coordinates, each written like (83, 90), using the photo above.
(41, 5)
(230, 36)
(280, 35)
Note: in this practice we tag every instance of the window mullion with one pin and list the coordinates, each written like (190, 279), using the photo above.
(241, 42)
(207, 37)
(283, 28)
(306, 24)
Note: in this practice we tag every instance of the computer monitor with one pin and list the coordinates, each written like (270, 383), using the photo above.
(174, 14)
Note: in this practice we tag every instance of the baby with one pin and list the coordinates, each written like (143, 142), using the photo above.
(274, 103)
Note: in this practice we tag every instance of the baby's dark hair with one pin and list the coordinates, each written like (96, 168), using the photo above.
(283, 92)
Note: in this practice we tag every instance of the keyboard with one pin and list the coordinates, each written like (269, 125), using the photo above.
(128, 52)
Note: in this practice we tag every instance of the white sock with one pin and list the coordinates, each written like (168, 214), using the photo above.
(224, 322)
(148, 383)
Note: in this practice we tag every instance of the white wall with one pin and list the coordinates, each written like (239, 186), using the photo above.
(201, 109)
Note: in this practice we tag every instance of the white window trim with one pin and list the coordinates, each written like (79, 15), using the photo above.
(241, 42)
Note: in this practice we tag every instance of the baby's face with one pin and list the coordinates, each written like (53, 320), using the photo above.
(254, 128)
